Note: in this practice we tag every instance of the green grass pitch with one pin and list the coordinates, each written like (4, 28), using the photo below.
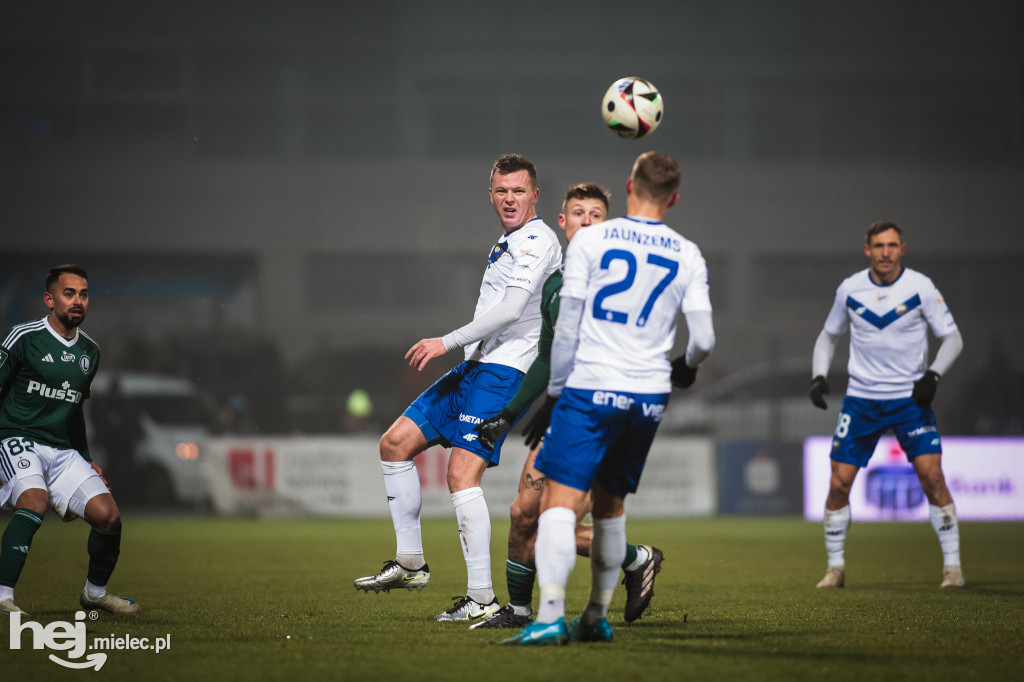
(273, 600)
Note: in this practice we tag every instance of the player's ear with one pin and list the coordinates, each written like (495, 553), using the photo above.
(672, 201)
(561, 220)
(48, 300)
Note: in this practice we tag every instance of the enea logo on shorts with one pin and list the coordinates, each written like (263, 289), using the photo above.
(65, 392)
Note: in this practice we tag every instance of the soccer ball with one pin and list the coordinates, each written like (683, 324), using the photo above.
(632, 107)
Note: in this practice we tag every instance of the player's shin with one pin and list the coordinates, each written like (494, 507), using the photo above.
(555, 559)
(607, 552)
(944, 522)
(14, 546)
(836, 524)
(104, 548)
(402, 484)
(475, 533)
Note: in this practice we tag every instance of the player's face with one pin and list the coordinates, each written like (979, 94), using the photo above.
(581, 213)
(68, 300)
(514, 198)
(885, 251)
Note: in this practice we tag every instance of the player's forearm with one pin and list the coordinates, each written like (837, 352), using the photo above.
(507, 311)
(948, 351)
(824, 350)
(563, 347)
(702, 337)
(76, 435)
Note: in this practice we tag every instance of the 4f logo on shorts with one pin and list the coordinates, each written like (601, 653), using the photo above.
(470, 437)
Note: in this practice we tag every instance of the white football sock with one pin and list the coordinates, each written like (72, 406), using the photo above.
(555, 551)
(6, 593)
(946, 527)
(836, 524)
(402, 483)
(642, 555)
(475, 534)
(95, 591)
(607, 552)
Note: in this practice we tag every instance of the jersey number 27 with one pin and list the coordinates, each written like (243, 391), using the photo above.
(617, 316)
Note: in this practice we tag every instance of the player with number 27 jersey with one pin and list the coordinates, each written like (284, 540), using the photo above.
(642, 274)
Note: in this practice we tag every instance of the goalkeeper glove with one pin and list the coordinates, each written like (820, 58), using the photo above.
(924, 389)
(819, 387)
(538, 424)
(491, 430)
(683, 375)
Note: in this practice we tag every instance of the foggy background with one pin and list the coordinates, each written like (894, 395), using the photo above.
(276, 200)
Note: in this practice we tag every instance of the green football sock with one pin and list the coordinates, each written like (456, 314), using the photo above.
(14, 544)
(104, 547)
(520, 578)
(630, 555)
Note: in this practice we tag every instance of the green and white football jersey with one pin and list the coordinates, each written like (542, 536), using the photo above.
(43, 380)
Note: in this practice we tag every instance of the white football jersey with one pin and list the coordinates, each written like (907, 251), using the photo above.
(888, 331)
(635, 276)
(524, 259)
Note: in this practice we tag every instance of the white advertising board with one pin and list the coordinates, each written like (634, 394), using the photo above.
(341, 476)
(984, 475)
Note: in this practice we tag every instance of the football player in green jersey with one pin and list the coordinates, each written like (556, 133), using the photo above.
(46, 369)
(584, 204)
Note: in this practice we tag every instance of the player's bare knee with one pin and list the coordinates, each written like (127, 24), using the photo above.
(33, 499)
(523, 519)
(101, 513)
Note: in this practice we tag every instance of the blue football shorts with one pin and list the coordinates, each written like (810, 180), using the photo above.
(863, 421)
(600, 436)
(448, 412)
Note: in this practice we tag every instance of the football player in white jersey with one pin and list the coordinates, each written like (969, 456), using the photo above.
(626, 282)
(500, 344)
(888, 309)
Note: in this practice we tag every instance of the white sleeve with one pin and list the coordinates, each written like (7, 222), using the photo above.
(702, 337)
(838, 321)
(563, 347)
(949, 350)
(507, 311)
(824, 351)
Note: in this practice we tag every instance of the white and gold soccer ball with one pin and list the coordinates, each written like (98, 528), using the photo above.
(632, 107)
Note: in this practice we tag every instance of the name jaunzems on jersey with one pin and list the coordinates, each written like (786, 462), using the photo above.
(643, 238)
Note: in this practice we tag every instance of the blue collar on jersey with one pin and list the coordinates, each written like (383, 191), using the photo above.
(645, 221)
(872, 279)
(502, 246)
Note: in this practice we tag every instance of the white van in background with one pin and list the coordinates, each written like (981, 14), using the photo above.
(173, 418)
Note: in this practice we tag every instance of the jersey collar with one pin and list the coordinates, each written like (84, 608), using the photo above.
(67, 342)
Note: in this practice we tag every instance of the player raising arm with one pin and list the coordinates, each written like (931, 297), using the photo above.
(888, 310)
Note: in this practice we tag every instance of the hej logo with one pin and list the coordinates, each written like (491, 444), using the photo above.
(71, 637)
(60, 636)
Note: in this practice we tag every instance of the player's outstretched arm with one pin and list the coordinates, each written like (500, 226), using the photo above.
(508, 310)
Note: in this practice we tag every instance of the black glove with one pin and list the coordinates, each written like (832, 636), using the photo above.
(924, 389)
(490, 430)
(683, 375)
(819, 387)
(538, 424)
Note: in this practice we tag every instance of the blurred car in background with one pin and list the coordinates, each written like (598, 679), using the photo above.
(762, 401)
(146, 430)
